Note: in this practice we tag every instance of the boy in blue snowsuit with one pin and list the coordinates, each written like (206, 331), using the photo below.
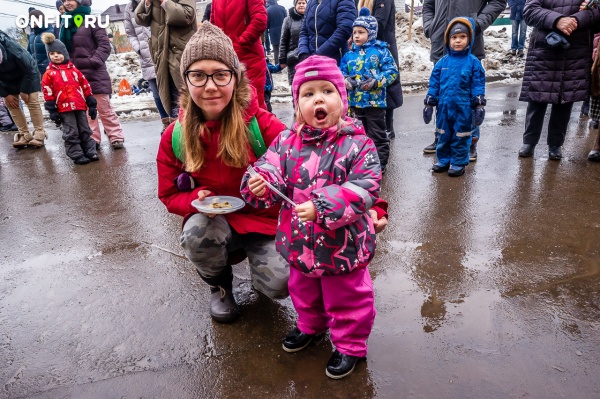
(269, 82)
(457, 89)
(368, 68)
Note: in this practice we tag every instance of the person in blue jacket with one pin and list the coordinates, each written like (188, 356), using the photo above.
(368, 68)
(326, 28)
(457, 89)
(36, 47)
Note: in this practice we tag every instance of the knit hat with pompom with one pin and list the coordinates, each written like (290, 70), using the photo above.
(54, 45)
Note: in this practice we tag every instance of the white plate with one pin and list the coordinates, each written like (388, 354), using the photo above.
(204, 205)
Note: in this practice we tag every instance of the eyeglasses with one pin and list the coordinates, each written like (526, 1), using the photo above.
(200, 79)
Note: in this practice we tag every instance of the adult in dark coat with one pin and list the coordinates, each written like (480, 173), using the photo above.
(20, 78)
(437, 14)
(384, 12)
(275, 16)
(206, 16)
(290, 34)
(555, 75)
(326, 28)
(36, 47)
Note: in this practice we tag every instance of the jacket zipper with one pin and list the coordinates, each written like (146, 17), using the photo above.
(316, 31)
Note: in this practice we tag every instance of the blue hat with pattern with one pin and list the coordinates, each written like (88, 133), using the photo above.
(367, 21)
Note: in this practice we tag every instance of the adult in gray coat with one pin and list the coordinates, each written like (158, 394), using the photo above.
(555, 74)
(437, 14)
(139, 37)
(290, 35)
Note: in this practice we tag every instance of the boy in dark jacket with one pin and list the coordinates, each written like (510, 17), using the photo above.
(67, 96)
(368, 68)
(457, 89)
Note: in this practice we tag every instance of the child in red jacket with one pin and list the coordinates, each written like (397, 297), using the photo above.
(67, 96)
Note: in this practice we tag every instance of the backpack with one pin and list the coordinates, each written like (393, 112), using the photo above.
(254, 137)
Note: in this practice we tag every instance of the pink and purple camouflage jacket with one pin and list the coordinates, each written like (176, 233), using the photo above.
(338, 169)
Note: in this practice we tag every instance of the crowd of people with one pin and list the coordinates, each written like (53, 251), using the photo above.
(312, 208)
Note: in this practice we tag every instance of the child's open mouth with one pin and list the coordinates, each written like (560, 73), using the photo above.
(320, 115)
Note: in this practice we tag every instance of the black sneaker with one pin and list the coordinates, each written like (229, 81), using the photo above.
(9, 128)
(456, 171)
(340, 365)
(296, 340)
(93, 158)
(473, 152)
(81, 160)
(430, 149)
(437, 168)
(554, 152)
(391, 134)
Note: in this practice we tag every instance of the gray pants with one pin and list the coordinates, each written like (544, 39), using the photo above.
(77, 135)
(207, 242)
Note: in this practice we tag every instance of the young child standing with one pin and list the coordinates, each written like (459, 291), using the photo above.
(368, 69)
(330, 169)
(457, 89)
(67, 96)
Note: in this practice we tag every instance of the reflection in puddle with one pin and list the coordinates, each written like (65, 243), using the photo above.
(433, 312)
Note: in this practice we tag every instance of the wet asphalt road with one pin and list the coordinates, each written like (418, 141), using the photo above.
(487, 286)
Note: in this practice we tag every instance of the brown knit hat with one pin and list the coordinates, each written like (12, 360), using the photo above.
(210, 43)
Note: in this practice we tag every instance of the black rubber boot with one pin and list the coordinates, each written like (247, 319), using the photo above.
(223, 307)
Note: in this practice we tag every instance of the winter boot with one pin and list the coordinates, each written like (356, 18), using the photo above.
(223, 307)
(340, 365)
(296, 340)
(473, 150)
(430, 149)
(38, 140)
(22, 140)
(166, 122)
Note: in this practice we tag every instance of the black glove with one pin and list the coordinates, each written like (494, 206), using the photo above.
(93, 112)
(350, 83)
(430, 100)
(427, 114)
(478, 101)
(50, 106)
(302, 57)
(367, 84)
(185, 182)
(479, 115)
(92, 103)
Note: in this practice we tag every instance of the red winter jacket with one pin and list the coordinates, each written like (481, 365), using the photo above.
(217, 177)
(244, 21)
(65, 85)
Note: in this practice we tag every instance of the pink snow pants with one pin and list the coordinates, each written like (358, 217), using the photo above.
(109, 119)
(344, 303)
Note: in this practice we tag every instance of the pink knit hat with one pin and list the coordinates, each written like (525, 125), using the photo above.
(318, 67)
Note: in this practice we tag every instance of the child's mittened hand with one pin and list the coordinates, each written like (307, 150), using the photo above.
(257, 186)
(306, 211)
(479, 115)
(368, 84)
(427, 114)
(350, 83)
(93, 112)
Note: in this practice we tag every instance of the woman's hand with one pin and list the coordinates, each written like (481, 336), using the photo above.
(378, 224)
(12, 101)
(306, 211)
(257, 186)
(566, 25)
(202, 194)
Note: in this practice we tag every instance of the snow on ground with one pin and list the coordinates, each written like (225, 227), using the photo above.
(415, 67)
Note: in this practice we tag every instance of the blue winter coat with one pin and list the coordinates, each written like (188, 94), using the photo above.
(275, 16)
(326, 28)
(456, 79)
(372, 60)
(37, 48)
(516, 9)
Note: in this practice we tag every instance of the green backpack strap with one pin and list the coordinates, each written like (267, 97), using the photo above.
(254, 137)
